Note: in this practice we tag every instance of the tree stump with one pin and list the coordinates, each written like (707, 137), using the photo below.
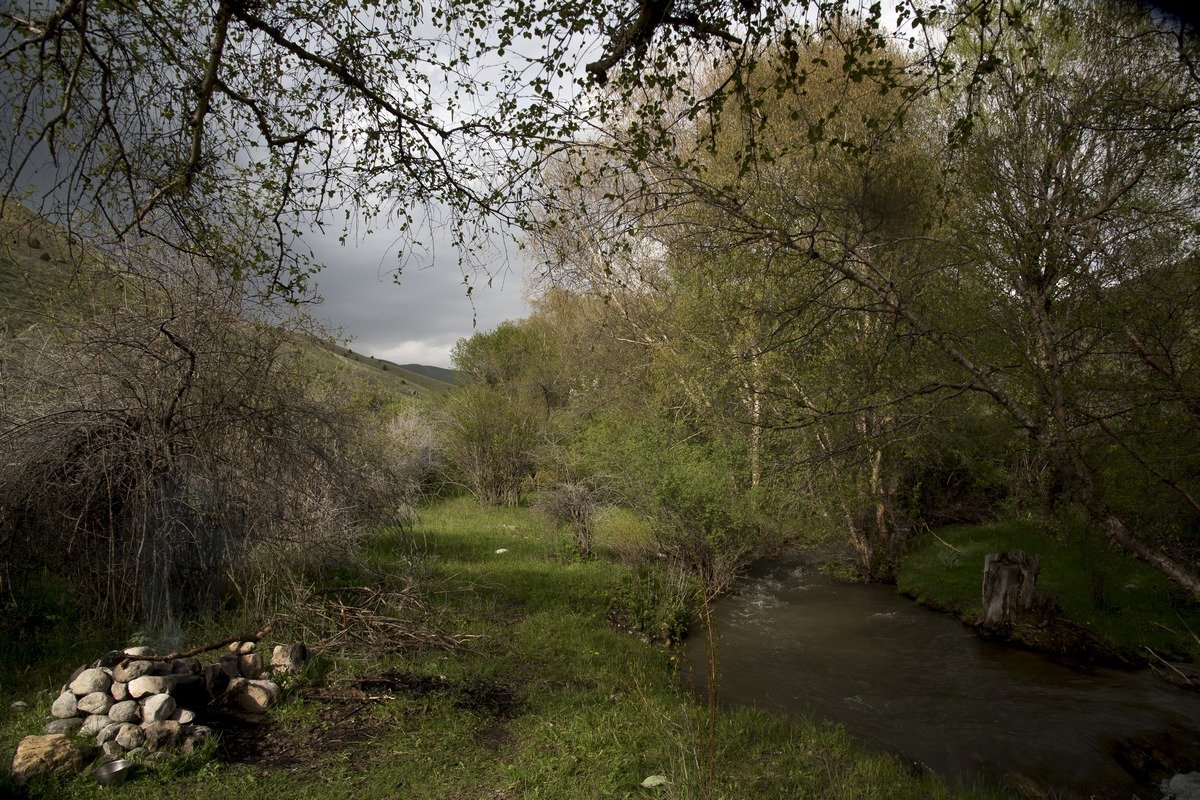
(1009, 588)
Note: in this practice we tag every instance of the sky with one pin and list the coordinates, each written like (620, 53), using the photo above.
(419, 320)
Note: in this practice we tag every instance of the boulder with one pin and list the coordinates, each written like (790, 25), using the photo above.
(161, 735)
(125, 711)
(150, 684)
(253, 696)
(119, 691)
(186, 666)
(91, 680)
(42, 755)
(108, 734)
(65, 707)
(231, 664)
(138, 651)
(184, 716)
(111, 751)
(157, 708)
(95, 703)
(130, 736)
(195, 736)
(289, 658)
(67, 726)
(132, 670)
(250, 665)
(110, 659)
(94, 724)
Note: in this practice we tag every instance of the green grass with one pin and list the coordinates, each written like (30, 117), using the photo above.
(1121, 602)
(549, 701)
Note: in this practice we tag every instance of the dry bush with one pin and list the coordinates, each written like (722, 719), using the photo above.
(156, 431)
(573, 505)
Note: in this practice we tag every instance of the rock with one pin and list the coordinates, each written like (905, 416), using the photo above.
(1184, 786)
(250, 665)
(196, 736)
(289, 658)
(502, 551)
(125, 711)
(138, 651)
(119, 691)
(65, 707)
(91, 680)
(67, 726)
(136, 754)
(157, 758)
(185, 666)
(130, 736)
(231, 664)
(95, 703)
(254, 696)
(35, 243)
(78, 671)
(42, 755)
(160, 735)
(94, 724)
(216, 681)
(245, 648)
(18, 706)
(108, 734)
(157, 708)
(150, 684)
(110, 659)
(654, 781)
(184, 716)
(131, 670)
(111, 751)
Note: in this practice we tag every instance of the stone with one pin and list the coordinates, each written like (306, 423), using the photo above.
(254, 696)
(161, 735)
(186, 666)
(42, 755)
(130, 736)
(216, 681)
(231, 664)
(91, 680)
(157, 708)
(194, 738)
(125, 711)
(18, 706)
(250, 665)
(654, 782)
(138, 651)
(108, 734)
(184, 716)
(289, 658)
(95, 703)
(67, 726)
(111, 751)
(136, 754)
(94, 724)
(119, 691)
(78, 671)
(110, 659)
(65, 707)
(1183, 786)
(131, 670)
(245, 648)
(150, 684)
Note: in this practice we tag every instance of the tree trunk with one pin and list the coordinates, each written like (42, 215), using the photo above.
(1009, 588)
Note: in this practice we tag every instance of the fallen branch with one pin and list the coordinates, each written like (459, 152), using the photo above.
(195, 651)
(952, 547)
(1188, 681)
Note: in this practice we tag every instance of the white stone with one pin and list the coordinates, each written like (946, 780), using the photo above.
(130, 736)
(245, 648)
(184, 716)
(138, 651)
(95, 703)
(124, 711)
(131, 670)
(65, 706)
(254, 696)
(289, 658)
(150, 684)
(119, 691)
(108, 734)
(94, 724)
(91, 680)
(157, 708)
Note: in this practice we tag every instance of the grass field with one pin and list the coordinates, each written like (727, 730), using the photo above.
(548, 700)
(1121, 602)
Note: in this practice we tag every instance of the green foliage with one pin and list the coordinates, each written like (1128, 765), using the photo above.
(1122, 602)
(655, 602)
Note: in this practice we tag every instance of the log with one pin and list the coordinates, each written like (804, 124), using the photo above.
(1009, 589)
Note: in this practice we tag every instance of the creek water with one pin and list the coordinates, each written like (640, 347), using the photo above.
(919, 684)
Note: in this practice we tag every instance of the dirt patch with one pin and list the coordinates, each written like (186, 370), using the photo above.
(262, 742)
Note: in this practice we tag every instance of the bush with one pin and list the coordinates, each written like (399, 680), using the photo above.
(572, 505)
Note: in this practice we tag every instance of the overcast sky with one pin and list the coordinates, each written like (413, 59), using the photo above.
(419, 320)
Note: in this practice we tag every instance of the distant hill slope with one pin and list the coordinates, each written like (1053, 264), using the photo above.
(447, 376)
(35, 265)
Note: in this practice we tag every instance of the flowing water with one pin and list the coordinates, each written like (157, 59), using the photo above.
(921, 685)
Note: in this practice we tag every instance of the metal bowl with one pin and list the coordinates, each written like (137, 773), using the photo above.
(114, 772)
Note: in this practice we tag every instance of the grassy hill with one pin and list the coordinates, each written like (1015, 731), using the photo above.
(36, 263)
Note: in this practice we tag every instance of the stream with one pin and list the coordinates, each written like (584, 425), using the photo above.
(919, 684)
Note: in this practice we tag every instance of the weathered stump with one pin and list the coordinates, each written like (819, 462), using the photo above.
(1009, 589)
